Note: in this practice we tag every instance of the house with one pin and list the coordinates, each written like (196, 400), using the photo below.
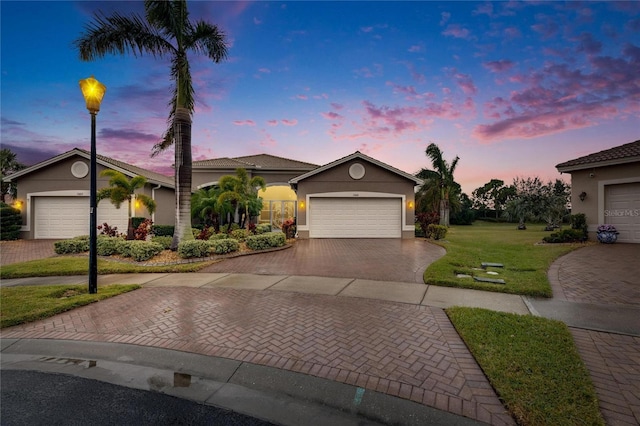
(605, 186)
(353, 197)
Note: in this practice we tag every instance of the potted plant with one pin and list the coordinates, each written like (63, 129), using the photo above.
(607, 234)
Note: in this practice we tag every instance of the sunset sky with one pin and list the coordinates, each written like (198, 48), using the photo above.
(512, 88)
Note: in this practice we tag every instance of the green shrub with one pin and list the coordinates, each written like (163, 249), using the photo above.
(265, 241)
(239, 234)
(162, 230)
(566, 236)
(107, 246)
(138, 250)
(418, 230)
(164, 241)
(437, 232)
(263, 228)
(10, 222)
(219, 237)
(136, 221)
(74, 245)
(579, 221)
(194, 248)
(225, 246)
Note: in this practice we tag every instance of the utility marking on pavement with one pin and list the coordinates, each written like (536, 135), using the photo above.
(358, 398)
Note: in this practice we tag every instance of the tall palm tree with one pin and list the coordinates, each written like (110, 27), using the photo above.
(8, 164)
(121, 189)
(440, 186)
(242, 192)
(166, 33)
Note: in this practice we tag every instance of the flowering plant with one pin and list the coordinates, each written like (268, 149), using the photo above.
(607, 228)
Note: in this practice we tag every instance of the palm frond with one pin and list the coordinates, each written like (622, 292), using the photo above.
(208, 39)
(147, 201)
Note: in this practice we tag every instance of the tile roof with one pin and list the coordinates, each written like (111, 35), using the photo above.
(626, 153)
(260, 161)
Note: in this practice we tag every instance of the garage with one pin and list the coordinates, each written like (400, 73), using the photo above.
(355, 218)
(67, 217)
(622, 209)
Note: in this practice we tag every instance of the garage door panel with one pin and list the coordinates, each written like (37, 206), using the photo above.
(355, 218)
(68, 217)
(622, 209)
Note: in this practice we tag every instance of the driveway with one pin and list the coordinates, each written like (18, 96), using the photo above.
(25, 250)
(401, 260)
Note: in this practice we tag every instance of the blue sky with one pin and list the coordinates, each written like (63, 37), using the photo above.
(512, 88)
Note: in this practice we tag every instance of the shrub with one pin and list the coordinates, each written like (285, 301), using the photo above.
(205, 233)
(437, 232)
(139, 250)
(142, 230)
(10, 222)
(136, 221)
(239, 234)
(224, 246)
(566, 236)
(74, 245)
(194, 248)
(579, 222)
(109, 231)
(252, 228)
(106, 246)
(164, 241)
(265, 241)
(289, 228)
(218, 237)
(418, 230)
(263, 228)
(162, 230)
(426, 219)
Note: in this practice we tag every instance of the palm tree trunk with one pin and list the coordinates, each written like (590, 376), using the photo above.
(183, 166)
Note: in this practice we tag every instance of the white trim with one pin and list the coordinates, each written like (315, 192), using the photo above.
(358, 194)
(601, 190)
(207, 184)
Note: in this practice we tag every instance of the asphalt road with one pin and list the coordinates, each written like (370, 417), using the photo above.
(36, 398)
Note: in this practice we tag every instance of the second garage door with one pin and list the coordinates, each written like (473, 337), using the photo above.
(623, 210)
(355, 218)
(67, 217)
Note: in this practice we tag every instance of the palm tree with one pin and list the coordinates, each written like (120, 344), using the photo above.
(8, 164)
(440, 188)
(166, 33)
(204, 204)
(242, 192)
(122, 190)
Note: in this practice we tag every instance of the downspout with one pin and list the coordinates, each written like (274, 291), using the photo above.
(153, 197)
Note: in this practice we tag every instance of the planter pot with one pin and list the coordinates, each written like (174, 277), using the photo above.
(607, 237)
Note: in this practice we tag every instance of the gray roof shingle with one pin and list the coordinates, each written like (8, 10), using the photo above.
(626, 153)
(260, 161)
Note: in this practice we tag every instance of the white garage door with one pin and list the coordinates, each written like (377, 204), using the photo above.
(67, 217)
(622, 209)
(355, 218)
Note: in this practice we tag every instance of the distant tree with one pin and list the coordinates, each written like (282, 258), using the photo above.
(492, 196)
(8, 164)
(166, 33)
(466, 215)
(535, 200)
(440, 188)
(242, 193)
(121, 190)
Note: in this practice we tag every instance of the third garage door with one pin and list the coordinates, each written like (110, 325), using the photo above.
(355, 218)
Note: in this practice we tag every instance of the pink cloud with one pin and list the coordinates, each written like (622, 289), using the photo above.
(336, 106)
(302, 97)
(512, 32)
(331, 115)
(547, 27)
(465, 83)
(264, 70)
(289, 122)
(416, 48)
(498, 66)
(587, 44)
(272, 122)
(457, 31)
(244, 123)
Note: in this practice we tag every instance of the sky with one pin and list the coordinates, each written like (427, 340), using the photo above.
(511, 88)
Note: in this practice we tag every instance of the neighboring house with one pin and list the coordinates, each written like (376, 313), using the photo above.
(53, 196)
(353, 197)
(605, 186)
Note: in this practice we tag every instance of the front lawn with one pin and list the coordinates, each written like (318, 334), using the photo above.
(79, 265)
(533, 365)
(525, 259)
(30, 303)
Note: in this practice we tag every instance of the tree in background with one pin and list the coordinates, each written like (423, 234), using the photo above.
(8, 164)
(121, 190)
(242, 193)
(167, 32)
(206, 206)
(535, 200)
(440, 192)
(492, 196)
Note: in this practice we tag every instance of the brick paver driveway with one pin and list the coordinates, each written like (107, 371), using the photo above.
(373, 259)
(24, 250)
(409, 351)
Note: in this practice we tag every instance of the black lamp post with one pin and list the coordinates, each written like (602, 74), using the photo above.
(93, 92)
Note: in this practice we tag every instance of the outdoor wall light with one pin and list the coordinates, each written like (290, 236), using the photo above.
(18, 204)
(410, 204)
(301, 204)
(582, 196)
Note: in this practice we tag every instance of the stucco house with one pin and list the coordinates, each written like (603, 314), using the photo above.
(605, 186)
(353, 197)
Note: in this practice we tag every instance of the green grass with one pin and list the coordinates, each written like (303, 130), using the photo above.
(525, 263)
(76, 265)
(30, 303)
(533, 365)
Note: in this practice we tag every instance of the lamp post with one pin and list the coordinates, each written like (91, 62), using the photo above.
(93, 92)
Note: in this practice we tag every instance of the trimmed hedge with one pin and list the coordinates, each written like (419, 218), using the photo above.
(566, 236)
(138, 250)
(106, 246)
(10, 222)
(263, 228)
(194, 248)
(265, 241)
(239, 234)
(224, 246)
(162, 230)
(165, 241)
(74, 245)
(437, 232)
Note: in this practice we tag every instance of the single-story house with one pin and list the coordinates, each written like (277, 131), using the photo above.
(353, 197)
(605, 186)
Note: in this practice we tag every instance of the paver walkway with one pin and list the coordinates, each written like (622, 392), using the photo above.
(409, 351)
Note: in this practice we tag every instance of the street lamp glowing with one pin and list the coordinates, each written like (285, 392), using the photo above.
(93, 92)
